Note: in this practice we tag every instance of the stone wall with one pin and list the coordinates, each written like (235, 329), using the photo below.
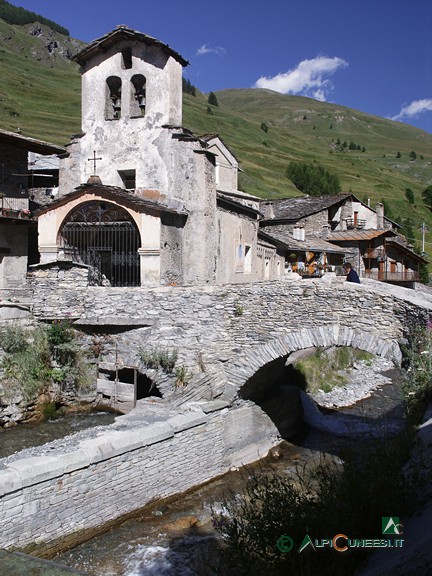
(224, 334)
(52, 500)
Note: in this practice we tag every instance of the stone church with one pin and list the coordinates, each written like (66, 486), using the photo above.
(141, 200)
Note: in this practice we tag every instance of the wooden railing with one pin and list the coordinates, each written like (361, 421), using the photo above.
(15, 208)
(353, 223)
(15, 204)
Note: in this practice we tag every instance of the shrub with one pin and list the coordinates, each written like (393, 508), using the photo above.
(157, 358)
(13, 339)
(182, 376)
(417, 362)
(328, 498)
(35, 357)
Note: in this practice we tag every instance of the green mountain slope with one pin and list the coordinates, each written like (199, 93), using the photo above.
(40, 88)
(40, 95)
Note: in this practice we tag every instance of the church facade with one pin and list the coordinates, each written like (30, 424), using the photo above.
(141, 200)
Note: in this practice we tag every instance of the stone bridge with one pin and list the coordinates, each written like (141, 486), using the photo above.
(232, 340)
(226, 334)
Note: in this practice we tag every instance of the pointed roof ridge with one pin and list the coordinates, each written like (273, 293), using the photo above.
(123, 32)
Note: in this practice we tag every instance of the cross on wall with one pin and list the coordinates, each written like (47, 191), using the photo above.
(94, 160)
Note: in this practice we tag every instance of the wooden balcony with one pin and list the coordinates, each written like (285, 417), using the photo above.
(353, 223)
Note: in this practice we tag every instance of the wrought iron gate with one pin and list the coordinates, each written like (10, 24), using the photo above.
(103, 236)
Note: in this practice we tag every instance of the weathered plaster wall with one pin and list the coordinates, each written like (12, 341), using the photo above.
(235, 230)
(49, 500)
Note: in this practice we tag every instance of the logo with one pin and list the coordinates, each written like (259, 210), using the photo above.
(285, 544)
(306, 541)
(391, 525)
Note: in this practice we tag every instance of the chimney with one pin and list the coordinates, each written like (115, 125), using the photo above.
(325, 231)
(380, 216)
(268, 210)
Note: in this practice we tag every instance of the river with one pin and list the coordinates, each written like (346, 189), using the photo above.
(176, 538)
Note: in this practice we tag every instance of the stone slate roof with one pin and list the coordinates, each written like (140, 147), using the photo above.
(100, 45)
(299, 207)
(30, 144)
(140, 200)
(311, 244)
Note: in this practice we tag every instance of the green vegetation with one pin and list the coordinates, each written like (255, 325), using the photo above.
(330, 497)
(159, 358)
(427, 196)
(238, 309)
(41, 96)
(36, 357)
(409, 195)
(15, 15)
(326, 369)
(346, 496)
(212, 99)
(313, 180)
(418, 376)
(187, 87)
(182, 377)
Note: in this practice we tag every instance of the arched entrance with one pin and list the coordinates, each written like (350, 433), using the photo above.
(105, 237)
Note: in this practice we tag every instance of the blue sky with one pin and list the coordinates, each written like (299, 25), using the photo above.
(371, 55)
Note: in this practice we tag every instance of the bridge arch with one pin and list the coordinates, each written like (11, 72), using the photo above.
(249, 361)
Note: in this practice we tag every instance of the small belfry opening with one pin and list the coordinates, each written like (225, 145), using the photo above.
(113, 101)
(103, 236)
(138, 96)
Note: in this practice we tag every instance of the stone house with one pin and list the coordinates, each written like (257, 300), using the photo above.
(320, 232)
(17, 227)
(141, 200)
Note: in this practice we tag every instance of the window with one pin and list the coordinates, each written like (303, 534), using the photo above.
(113, 98)
(128, 178)
(127, 58)
(248, 259)
(138, 96)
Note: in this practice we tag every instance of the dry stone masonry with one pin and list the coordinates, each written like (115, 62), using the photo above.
(224, 335)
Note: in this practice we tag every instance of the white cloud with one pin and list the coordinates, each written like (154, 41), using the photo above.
(414, 109)
(206, 49)
(309, 78)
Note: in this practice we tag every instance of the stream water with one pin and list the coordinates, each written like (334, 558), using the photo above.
(26, 435)
(177, 538)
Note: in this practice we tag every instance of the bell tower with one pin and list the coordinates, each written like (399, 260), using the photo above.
(129, 76)
(131, 95)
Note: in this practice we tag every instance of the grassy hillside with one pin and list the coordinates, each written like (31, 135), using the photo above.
(307, 130)
(40, 88)
(40, 94)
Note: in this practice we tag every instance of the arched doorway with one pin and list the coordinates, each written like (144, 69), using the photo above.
(105, 237)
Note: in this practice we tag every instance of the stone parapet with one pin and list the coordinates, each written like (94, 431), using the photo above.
(50, 496)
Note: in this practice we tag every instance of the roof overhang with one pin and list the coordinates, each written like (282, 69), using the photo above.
(121, 33)
(30, 144)
(141, 201)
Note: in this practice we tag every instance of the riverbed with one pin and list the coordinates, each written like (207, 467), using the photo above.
(24, 436)
(176, 538)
